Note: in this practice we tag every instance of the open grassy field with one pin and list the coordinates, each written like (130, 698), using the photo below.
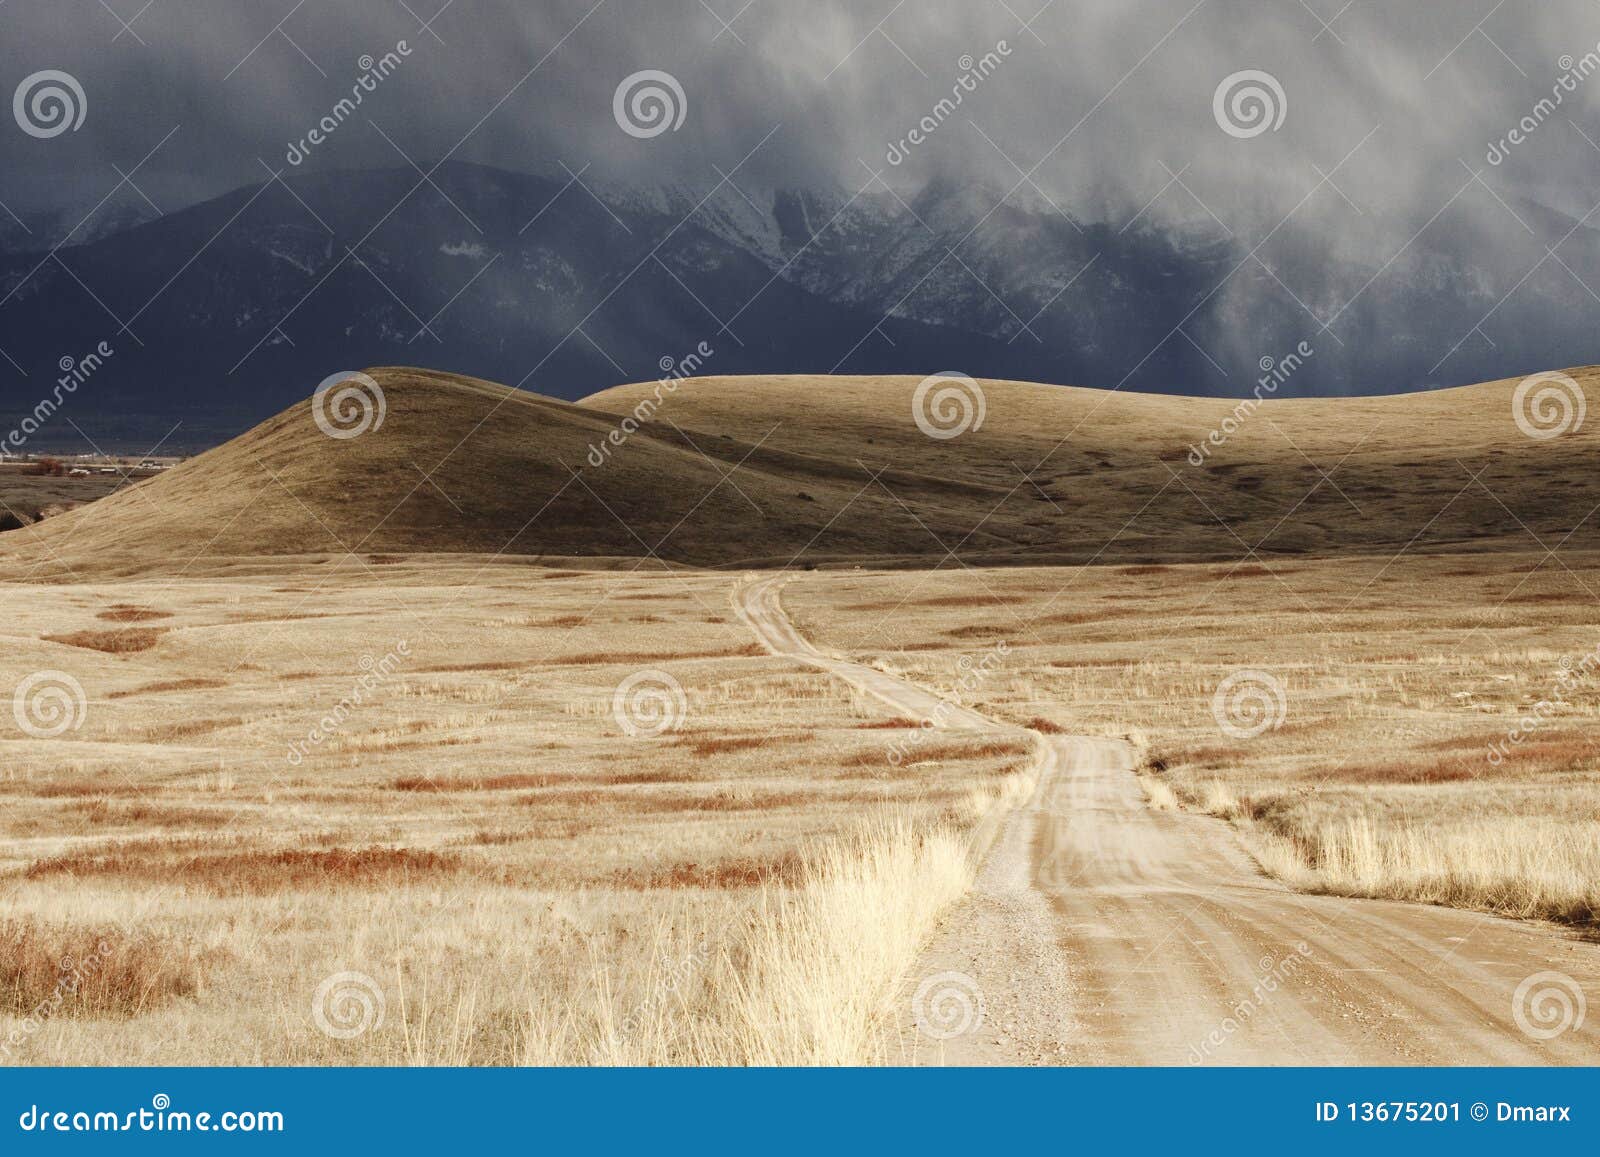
(415, 783)
(1419, 728)
(442, 741)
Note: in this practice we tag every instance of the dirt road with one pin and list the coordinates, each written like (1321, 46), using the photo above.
(1103, 932)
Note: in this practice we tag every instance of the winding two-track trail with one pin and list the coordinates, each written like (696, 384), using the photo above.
(1101, 931)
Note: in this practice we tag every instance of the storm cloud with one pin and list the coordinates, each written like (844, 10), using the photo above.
(1382, 121)
(1098, 103)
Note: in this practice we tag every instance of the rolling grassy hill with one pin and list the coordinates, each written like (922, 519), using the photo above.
(753, 470)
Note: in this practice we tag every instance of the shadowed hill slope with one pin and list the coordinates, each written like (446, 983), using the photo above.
(728, 471)
(1444, 468)
(467, 466)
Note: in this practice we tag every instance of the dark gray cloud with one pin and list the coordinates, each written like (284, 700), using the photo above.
(1103, 108)
(1103, 93)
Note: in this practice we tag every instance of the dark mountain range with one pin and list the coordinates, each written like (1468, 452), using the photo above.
(223, 313)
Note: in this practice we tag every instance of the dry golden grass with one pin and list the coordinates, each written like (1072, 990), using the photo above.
(524, 881)
(521, 879)
(91, 972)
(256, 871)
(1514, 865)
(1393, 772)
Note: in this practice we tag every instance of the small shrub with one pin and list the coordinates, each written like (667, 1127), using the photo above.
(89, 972)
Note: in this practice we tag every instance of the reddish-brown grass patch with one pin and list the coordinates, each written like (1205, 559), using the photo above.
(1483, 740)
(48, 972)
(886, 724)
(723, 744)
(123, 642)
(173, 732)
(970, 601)
(990, 750)
(157, 688)
(610, 658)
(938, 753)
(704, 745)
(130, 614)
(975, 631)
(1555, 753)
(1220, 755)
(1078, 618)
(1411, 771)
(161, 815)
(259, 872)
(522, 781)
(1249, 570)
(746, 872)
(485, 666)
(1044, 726)
(99, 785)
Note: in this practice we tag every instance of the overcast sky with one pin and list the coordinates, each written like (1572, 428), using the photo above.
(1097, 99)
